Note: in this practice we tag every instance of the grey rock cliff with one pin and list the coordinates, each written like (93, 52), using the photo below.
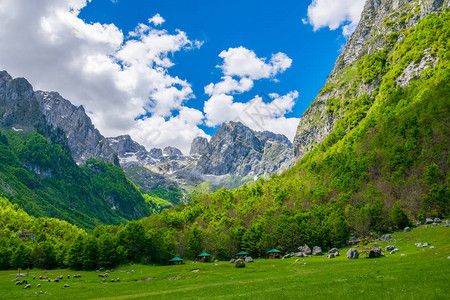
(198, 146)
(237, 150)
(379, 19)
(19, 108)
(84, 140)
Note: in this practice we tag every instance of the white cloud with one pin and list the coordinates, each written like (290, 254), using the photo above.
(178, 131)
(242, 62)
(335, 13)
(255, 114)
(117, 77)
(156, 20)
(229, 85)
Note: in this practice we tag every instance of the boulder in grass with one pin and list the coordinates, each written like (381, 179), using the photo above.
(317, 250)
(376, 252)
(425, 245)
(389, 248)
(418, 245)
(335, 251)
(305, 249)
(419, 223)
(437, 220)
(352, 253)
(407, 229)
(300, 254)
(331, 255)
(232, 261)
(248, 259)
(429, 221)
(425, 226)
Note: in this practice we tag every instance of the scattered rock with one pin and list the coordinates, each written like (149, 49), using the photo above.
(335, 251)
(389, 248)
(434, 224)
(317, 250)
(300, 254)
(305, 249)
(385, 237)
(195, 270)
(437, 220)
(432, 247)
(248, 259)
(402, 254)
(425, 245)
(331, 255)
(419, 223)
(376, 252)
(429, 221)
(418, 245)
(232, 261)
(407, 229)
(425, 226)
(392, 252)
(352, 253)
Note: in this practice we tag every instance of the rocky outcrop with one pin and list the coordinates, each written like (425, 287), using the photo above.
(19, 108)
(381, 21)
(172, 151)
(237, 150)
(199, 146)
(83, 139)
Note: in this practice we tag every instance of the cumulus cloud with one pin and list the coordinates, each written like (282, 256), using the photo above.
(123, 80)
(156, 20)
(229, 85)
(243, 62)
(335, 13)
(256, 113)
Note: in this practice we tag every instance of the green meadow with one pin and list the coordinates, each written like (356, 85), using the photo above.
(418, 274)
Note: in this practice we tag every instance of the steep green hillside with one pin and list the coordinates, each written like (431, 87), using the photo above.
(42, 178)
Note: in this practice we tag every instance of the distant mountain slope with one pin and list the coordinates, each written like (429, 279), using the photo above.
(44, 180)
(382, 24)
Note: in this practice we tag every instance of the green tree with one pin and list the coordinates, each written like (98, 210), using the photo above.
(21, 257)
(397, 217)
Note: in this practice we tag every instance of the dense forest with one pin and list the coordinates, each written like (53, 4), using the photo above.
(383, 167)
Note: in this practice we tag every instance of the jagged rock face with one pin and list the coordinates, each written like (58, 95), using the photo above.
(237, 150)
(171, 151)
(18, 105)
(379, 18)
(84, 140)
(155, 152)
(199, 146)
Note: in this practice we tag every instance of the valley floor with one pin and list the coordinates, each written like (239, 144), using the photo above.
(421, 273)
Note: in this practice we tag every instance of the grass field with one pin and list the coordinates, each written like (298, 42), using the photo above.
(421, 273)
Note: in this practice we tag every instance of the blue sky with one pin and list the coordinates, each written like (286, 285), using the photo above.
(141, 67)
(266, 27)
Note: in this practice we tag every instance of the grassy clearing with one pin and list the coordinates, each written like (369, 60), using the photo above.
(420, 273)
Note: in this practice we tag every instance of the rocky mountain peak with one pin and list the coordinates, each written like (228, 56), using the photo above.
(18, 105)
(84, 140)
(236, 149)
(171, 151)
(198, 146)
